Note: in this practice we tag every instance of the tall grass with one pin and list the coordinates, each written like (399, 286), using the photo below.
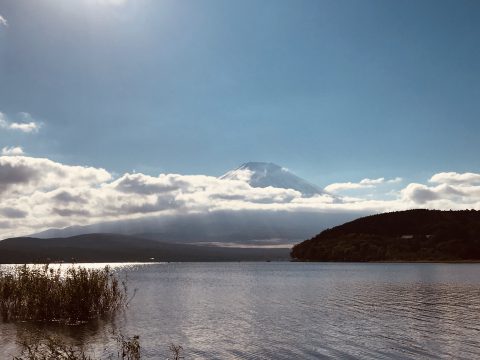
(41, 293)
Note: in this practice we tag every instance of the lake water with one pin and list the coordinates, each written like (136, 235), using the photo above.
(294, 311)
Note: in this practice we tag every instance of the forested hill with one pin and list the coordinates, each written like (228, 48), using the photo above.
(413, 235)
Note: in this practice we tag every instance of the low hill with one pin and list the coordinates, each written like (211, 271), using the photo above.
(121, 248)
(413, 235)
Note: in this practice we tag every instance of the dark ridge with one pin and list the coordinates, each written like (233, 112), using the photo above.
(123, 248)
(412, 235)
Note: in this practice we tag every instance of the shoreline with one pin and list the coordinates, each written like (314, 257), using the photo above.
(126, 263)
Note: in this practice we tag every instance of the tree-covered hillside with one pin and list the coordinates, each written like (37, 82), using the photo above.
(413, 235)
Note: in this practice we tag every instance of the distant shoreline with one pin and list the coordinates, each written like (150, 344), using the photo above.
(110, 248)
(393, 262)
(250, 261)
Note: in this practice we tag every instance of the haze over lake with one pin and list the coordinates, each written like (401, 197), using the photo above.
(296, 310)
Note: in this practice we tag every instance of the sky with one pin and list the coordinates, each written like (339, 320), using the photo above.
(339, 92)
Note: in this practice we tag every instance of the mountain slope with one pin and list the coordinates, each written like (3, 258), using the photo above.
(413, 235)
(262, 174)
(221, 226)
(114, 248)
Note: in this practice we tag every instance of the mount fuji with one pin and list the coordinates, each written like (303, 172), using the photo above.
(263, 174)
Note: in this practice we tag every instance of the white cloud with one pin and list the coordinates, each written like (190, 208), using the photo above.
(12, 151)
(28, 125)
(454, 178)
(336, 187)
(363, 184)
(450, 190)
(21, 175)
(436, 195)
(36, 194)
(3, 21)
(372, 182)
(25, 127)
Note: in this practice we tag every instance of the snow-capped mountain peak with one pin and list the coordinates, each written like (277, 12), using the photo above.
(262, 174)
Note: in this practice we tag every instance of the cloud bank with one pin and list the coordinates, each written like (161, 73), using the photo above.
(37, 194)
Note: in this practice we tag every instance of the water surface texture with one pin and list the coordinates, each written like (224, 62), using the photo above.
(295, 310)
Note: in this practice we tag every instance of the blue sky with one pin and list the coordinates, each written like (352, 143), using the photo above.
(334, 90)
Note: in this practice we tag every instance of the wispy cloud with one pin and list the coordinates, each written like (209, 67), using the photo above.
(3, 21)
(12, 151)
(3, 121)
(27, 125)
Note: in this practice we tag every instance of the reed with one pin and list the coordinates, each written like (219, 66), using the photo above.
(40, 346)
(45, 294)
(129, 347)
(37, 347)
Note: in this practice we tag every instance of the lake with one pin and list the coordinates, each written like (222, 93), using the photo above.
(283, 310)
